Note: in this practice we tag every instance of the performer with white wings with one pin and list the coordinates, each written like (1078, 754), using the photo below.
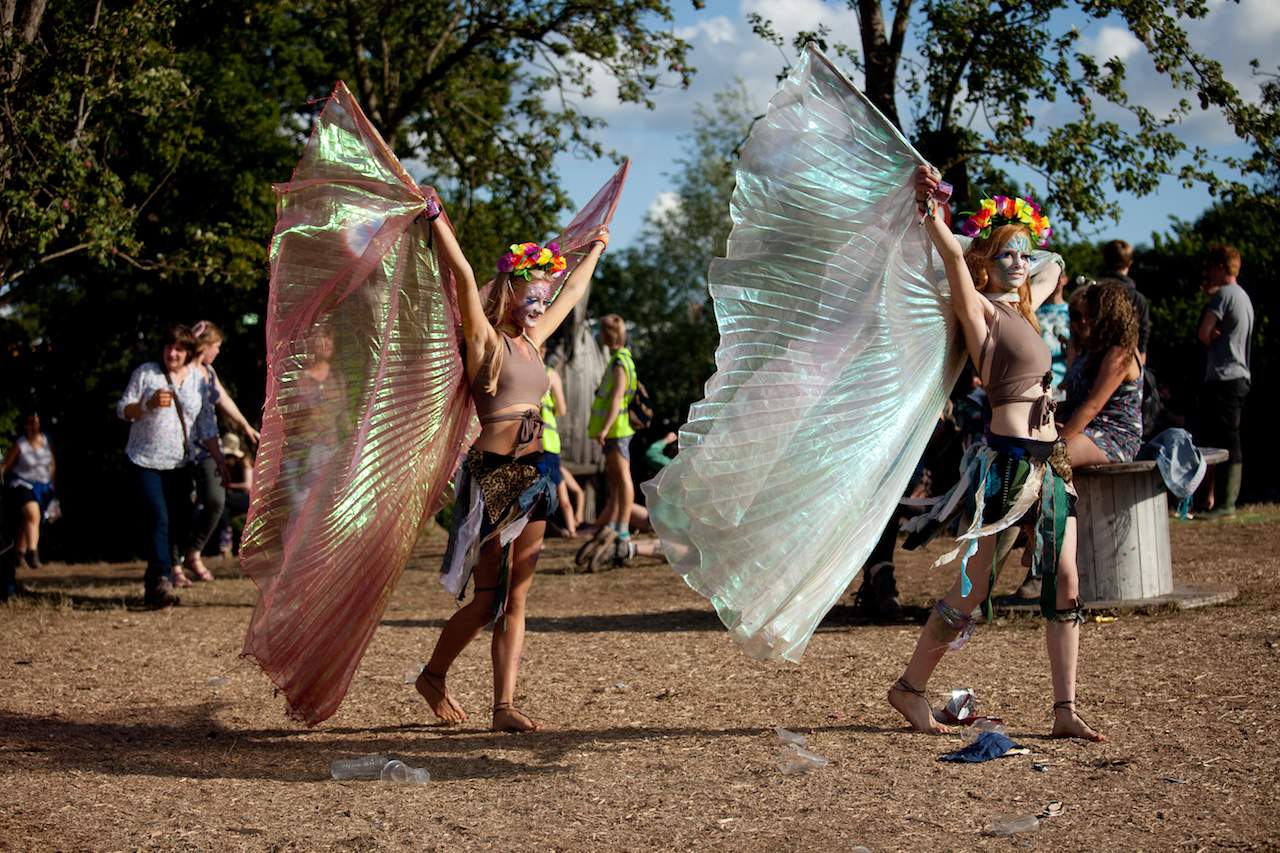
(504, 494)
(1020, 475)
(838, 347)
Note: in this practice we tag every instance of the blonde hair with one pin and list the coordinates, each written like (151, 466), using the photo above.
(613, 331)
(206, 333)
(980, 253)
(496, 309)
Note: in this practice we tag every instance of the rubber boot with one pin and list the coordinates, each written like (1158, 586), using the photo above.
(1231, 486)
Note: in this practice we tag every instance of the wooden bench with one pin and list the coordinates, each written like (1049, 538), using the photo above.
(1122, 548)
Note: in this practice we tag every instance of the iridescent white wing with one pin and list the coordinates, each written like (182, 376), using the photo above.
(835, 359)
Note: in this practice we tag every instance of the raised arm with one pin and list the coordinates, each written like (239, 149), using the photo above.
(476, 330)
(1045, 281)
(573, 290)
(972, 309)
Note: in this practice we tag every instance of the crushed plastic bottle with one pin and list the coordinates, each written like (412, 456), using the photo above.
(796, 760)
(1006, 825)
(218, 681)
(396, 772)
(411, 674)
(365, 767)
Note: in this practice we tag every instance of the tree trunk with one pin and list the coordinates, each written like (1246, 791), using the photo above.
(881, 54)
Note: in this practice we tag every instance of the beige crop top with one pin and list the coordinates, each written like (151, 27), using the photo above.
(1015, 356)
(521, 380)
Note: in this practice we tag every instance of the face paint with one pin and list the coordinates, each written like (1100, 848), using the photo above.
(529, 302)
(1009, 268)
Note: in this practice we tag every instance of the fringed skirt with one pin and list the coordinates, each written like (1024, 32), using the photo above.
(497, 496)
(1006, 483)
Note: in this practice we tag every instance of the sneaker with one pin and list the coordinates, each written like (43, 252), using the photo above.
(603, 540)
(161, 596)
(622, 551)
(32, 559)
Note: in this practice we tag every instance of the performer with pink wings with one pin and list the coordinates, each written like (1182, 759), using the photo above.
(370, 404)
(504, 495)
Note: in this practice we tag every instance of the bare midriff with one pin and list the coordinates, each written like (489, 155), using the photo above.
(501, 437)
(1012, 420)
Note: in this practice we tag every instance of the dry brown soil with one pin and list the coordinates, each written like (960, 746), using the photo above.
(660, 732)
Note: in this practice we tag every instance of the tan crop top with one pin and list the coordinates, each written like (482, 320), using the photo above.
(1016, 356)
(521, 380)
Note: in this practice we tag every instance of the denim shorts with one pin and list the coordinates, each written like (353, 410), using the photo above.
(619, 445)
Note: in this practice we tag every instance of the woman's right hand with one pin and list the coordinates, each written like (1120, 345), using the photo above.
(163, 398)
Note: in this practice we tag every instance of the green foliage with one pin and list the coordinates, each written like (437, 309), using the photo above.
(81, 85)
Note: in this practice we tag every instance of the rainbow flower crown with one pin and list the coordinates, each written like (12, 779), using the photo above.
(522, 259)
(1002, 210)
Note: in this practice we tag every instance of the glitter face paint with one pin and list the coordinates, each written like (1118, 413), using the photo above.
(529, 303)
(1009, 268)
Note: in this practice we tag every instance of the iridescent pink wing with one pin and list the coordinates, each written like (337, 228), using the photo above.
(366, 408)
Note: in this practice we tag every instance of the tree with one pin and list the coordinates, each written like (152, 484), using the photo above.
(81, 85)
(990, 67)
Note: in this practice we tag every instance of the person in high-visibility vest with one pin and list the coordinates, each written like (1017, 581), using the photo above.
(553, 403)
(610, 424)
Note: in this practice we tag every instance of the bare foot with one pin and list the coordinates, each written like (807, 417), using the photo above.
(509, 718)
(912, 705)
(433, 689)
(1067, 723)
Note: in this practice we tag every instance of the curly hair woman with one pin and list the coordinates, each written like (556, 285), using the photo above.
(1101, 418)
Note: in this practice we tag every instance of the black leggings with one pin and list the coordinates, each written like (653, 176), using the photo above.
(211, 498)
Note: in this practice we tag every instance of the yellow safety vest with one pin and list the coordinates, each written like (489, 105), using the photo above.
(604, 394)
(550, 435)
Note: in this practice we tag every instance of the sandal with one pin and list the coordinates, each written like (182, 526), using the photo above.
(197, 567)
(1095, 736)
(180, 578)
(534, 725)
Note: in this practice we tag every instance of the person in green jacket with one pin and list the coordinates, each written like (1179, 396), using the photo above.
(610, 424)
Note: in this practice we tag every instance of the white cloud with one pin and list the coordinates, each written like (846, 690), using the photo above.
(717, 30)
(1112, 41)
(663, 205)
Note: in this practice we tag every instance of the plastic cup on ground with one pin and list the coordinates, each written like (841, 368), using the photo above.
(399, 773)
(796, 760)
(789, 737)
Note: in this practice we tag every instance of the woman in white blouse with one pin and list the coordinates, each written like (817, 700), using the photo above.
(162, 403)
(28, 470)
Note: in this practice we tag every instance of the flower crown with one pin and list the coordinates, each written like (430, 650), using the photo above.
(522, 259)
(1002, 210)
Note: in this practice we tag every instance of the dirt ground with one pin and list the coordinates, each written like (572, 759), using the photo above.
(113, 735)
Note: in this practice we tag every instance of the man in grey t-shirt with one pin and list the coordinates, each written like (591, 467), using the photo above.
(1226, 328)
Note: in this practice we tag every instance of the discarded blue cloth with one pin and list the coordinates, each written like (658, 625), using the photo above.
(985, 747)
(1180, 462)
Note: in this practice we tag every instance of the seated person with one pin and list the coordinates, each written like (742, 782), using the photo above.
(1101, 417)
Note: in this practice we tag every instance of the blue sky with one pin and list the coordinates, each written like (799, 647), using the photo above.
(723, 49)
